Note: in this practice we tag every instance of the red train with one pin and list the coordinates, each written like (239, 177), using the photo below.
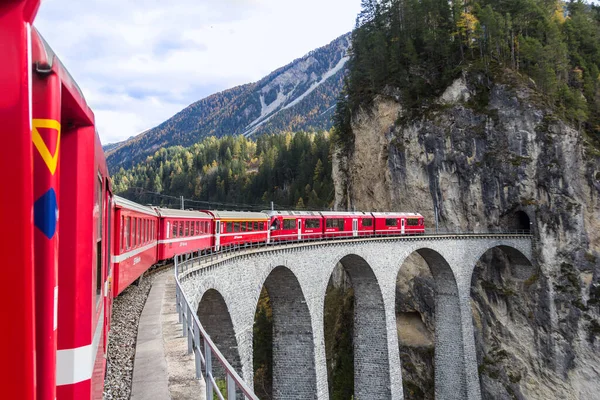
(65, 271)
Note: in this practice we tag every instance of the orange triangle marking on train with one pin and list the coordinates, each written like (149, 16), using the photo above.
(50, 159)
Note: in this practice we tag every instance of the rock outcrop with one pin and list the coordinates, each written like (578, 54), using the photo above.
(492, 155)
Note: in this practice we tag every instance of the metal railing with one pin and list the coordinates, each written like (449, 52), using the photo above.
(197, 336)
(198, 339)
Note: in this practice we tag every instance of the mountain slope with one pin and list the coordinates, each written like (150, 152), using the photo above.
(299, 96)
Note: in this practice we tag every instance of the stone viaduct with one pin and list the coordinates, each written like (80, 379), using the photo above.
(296, 276)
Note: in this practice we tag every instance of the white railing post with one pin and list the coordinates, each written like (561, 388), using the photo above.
(197, 350)
(208, 371)
(190, 328)
(230, 388)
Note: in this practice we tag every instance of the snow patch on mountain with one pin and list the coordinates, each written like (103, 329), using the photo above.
(315, 85)
(286, 85)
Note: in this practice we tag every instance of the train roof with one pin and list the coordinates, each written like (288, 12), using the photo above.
(345, 214)
(396, 214)
(130, 205)
(241, 215)
(272, 213)
(169, 212)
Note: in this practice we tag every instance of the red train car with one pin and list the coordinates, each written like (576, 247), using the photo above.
(295, 225)
(59, 295)
(135, 247)
(70, 178)
(233, 228)
(182, 231)
(347, 224)
(391, 223)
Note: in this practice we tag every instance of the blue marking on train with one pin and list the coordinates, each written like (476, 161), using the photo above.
(45, 213)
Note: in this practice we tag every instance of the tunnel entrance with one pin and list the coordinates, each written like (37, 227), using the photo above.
(516, 221)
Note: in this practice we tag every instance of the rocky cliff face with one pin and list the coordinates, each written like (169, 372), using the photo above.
(491, 155)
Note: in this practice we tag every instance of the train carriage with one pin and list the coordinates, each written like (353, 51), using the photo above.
(394, 223)
(182, 231)
(347, 224)
(136, 229)
(237, 228)
(295, 225)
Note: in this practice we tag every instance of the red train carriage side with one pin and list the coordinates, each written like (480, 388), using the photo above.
(393, 223)
(346, 224)
(67, 149)
(232, 228)
(182, 231)
(295, 225)
(135, 246)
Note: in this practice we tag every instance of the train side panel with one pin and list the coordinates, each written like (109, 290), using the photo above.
(136, 250)
(183, 231)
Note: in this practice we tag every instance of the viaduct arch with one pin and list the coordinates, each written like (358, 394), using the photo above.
(298, 276)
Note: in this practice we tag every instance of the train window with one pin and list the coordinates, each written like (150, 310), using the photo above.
(391, 222)
(289, 224)
(187, 228)
(255, 226)
(236, 226)
(243, 225)
(197, 232)
(229, 227)
(122, 233)
(145, 230)
(180, 228)
(335, 223)
(128, 233)
(100, 208)
(134, 233)
(139, 231)
(175, 229)
(312, 223)
(412, 222)
(367, 222)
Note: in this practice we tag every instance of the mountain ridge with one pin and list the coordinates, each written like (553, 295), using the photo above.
(298, 96)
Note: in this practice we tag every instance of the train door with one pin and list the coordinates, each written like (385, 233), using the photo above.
(268, 225)
(402, 223)
(107, 286)
(299, 229)
(355, 227)
(217, 235)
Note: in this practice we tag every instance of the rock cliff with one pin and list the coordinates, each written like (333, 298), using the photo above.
(492, 155)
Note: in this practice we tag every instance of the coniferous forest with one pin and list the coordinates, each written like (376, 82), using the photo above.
(292, 170)
(415, 48)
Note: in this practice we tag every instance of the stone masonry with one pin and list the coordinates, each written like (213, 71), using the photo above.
(296, 278)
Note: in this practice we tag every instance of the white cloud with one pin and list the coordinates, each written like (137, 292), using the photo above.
(139, 62)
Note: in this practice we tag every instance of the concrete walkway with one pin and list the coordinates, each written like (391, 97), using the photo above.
(162, 369)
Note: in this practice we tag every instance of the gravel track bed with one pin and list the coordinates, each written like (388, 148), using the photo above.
(126, 311)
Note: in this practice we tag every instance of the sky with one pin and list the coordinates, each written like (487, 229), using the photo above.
(138, 62)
